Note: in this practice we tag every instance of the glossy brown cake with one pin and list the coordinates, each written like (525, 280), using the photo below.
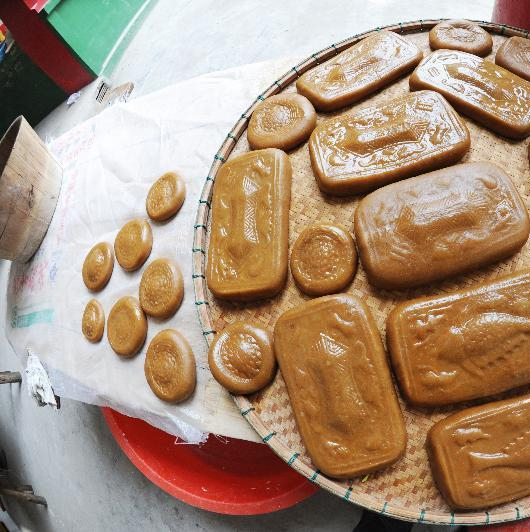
(462, 345)
(360, 70)
(461, 35)
(93, 322)
(133, 244)
(323, 259)
(98, 266)
(480, 89)
(514, 55)
(241, 357)
(161, 288)
(480, 457)
(169, 366)
(126, 326)
(360, 151)
(165, 197)
(334, 366)
(439, 224)
(247, 255)
(282, 121)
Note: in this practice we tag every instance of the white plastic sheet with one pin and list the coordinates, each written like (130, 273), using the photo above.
(109, 163)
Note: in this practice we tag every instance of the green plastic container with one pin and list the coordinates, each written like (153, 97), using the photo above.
(97, 31)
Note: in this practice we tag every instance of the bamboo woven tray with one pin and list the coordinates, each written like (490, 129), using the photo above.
(404, 490)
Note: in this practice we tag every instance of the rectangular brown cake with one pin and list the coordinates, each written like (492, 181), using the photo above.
(439, 224)
(488, 93)
(247, 254)
(480, 457)
(360, 70)
(334, 365)
(463, 345)
(360, 151)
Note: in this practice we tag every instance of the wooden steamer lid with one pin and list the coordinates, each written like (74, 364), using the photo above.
(30, 181)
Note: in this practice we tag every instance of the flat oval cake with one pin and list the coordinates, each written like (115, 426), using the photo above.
(514, 55)
(247, 254)
(480, 457)
(133, 244)
(360, 70)
(358, 152)
(165, 197)
(169, 366)
(323, 259)
(241, 357)
(462, 345)
(93, 322)
(161, 288)
(281, 121)
(335, 369)
(439, 224)
(98, 266)
(126, 326)
(488, 93)
(461, 35)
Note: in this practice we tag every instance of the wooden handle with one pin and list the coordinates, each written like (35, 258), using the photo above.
(10, 376)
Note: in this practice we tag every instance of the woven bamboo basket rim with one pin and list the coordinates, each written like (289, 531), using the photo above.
(420, 515)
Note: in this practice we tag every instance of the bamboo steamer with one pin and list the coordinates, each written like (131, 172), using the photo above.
(30, 181)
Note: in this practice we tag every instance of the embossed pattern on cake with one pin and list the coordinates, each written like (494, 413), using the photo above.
(480, 457)
(247, 254)
(480, 89)
(514, 55)
(439, 224)
(462, 345)
(334, 365)
(406, 136)
(358, 71)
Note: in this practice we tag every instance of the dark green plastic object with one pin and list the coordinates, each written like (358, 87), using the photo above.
(25, 90)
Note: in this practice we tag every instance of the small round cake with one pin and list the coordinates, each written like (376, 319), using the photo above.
(241, 357)
(98, 266)
(126, 327)
(283, 121)
(93, 323)
(323, 259)
(461, 35)
(161, 288)
(133, 244)
(165, 197)
(170, 366)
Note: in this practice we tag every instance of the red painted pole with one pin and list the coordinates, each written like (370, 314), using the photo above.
(512, 13)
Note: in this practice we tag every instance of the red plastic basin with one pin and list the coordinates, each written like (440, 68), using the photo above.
(223, 475)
